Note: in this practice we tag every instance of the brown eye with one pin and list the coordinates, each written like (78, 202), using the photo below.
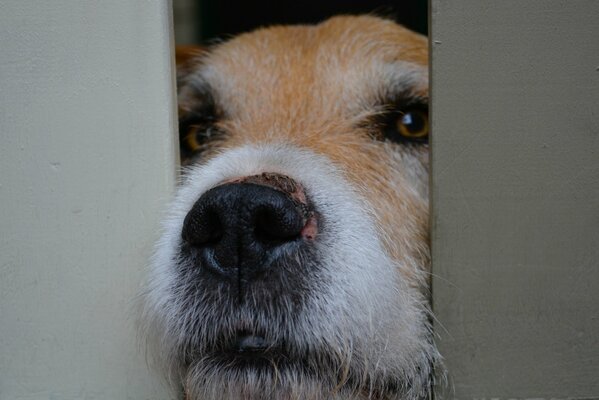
(413, 125)
(193, 139)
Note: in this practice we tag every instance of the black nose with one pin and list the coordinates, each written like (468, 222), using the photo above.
(241, 225)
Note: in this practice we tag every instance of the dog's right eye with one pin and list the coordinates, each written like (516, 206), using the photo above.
(193, 139)
(194, 135)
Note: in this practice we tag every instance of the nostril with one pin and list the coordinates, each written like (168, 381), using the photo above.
(202, 226)
(277, 223)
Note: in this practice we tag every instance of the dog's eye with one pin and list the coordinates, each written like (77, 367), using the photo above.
(409, 125)
(194, 135)
(192, 141)
(413, 124)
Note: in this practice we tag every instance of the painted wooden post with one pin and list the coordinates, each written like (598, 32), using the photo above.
(87, 163)
(515, 188)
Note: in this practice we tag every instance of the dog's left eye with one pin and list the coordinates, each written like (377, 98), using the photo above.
(413, 124)
(408, 125)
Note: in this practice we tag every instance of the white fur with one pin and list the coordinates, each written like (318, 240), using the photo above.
(362, 308)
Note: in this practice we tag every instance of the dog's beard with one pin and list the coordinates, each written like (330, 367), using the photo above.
(352, 329)
(211, 379)
(308, 359)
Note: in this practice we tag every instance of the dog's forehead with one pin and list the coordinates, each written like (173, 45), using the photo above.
(339, 66)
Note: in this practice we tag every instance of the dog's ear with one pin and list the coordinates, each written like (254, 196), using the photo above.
(187, 59)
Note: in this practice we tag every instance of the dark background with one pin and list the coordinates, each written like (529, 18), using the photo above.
(220, 19)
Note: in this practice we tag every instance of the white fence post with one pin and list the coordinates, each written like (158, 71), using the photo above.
(87, 161)
(515, 172)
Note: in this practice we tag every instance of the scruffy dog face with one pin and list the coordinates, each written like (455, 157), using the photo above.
(294, 260)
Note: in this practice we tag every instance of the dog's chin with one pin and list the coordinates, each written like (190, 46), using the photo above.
(253, 355)
(252, 368)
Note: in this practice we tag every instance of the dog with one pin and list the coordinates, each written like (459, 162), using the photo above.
(294, 260)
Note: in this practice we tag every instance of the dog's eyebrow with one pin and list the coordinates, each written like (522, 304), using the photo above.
(403, 84)
(196, 97)
(399, 99)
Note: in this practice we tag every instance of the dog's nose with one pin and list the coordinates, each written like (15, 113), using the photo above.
(242, 225)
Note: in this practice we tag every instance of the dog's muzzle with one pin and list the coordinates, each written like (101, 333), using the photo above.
(240, 227)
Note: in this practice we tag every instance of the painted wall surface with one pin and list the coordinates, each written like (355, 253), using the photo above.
(87, 163)
(515, 114)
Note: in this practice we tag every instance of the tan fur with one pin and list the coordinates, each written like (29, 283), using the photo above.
(331, 76)
(320, 88)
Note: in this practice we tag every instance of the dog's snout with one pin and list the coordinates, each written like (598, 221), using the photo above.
(241, 224)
